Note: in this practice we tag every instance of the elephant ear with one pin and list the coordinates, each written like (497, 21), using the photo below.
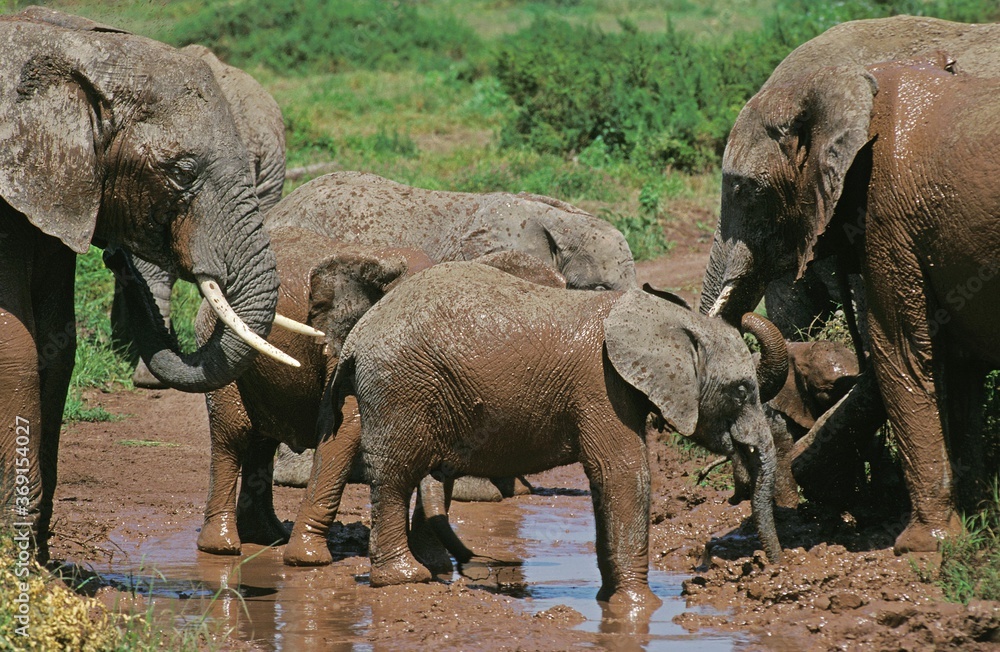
(50, 118)
(821, 141)
(344, 286)
(652, 351)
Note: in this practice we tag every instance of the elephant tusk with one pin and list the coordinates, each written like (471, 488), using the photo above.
(720, 302)
(210, 290)
(296, 327)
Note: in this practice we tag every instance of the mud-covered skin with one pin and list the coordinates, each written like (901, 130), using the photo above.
(120, 141)
(496, 376)
(795, 177)
(262, 129)
(447, 226)
(931, 270)
(329, 285)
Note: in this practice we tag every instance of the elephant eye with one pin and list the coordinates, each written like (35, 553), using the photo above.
(740, 393)
(183, 172)
(600, 286)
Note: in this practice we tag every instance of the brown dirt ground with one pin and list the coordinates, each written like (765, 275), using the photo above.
(838, 587)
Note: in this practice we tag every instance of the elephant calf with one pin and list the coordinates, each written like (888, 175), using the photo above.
(496, 376)
(329, 285)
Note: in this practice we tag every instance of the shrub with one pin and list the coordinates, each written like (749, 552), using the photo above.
(329, 35)
(661, 99)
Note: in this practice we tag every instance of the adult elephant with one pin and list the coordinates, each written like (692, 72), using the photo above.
(794, 173)
(533, 377)
(931, 267)
(262, 129)
(120, 141)
(371, 210)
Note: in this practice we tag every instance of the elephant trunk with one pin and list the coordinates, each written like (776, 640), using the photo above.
(772, 370)
(764, 469)
(733, 283)
(244, 272)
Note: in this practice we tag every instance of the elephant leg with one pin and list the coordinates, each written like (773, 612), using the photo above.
(908, 376)
(617, 466)
(965, 399)
(55, 318)
(256, 521)
(331, 469)
(435, 501)
(230, 430)
(391, 558)
(30, 415)
(427, 547)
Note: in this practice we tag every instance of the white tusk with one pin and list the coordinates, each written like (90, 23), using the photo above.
(721, 301)
(296, 327)
(210, 290)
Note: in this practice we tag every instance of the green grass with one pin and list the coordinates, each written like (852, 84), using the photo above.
(970, 563)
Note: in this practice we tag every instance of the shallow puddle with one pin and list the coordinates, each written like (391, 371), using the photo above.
(537, 549)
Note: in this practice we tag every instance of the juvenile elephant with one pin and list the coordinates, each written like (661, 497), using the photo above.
(447, 226)
(329, 285)
(795, 176)
(496, 376)
(119, 141)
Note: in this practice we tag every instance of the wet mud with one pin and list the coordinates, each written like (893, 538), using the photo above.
(131, 492)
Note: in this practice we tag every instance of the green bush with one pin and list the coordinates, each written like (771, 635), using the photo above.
(661, 99)
(329, 35)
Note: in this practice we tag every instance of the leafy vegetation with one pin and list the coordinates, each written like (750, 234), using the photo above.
(330, 35)
(970, 563)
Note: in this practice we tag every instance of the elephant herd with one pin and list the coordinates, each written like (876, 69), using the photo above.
(424, 336)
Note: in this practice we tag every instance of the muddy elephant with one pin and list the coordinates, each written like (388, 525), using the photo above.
(114, 140)
(447, 226)
(795, 174)
(493, 375)
(328, 285)
(262, 129)
(930, 264)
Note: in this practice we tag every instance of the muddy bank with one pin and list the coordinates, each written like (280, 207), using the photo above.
(131, 494)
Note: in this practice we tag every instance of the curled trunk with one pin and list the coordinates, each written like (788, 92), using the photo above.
(244, 267)
(772, 370)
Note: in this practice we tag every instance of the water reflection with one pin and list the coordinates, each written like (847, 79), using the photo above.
(538, 549)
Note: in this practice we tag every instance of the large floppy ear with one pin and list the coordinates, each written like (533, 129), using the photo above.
(651, 350)
(344, 286)
(50, 120)
(821, 141)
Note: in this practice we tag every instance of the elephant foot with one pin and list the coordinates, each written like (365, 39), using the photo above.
(631, 599)
(469, 489)
(307, 549)
(429, 550)
(143, 377)
(401, 570)
(219, 537)
(921, 537)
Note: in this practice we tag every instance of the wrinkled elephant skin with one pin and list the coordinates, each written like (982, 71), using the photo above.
(123, 142)
(532, 377)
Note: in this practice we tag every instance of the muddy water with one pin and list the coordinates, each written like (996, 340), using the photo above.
(536, 549)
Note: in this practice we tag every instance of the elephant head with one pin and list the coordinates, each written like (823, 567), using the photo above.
(121, 141)
(700, 376)
(589, 252)
(258, 121)
(796, 157)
